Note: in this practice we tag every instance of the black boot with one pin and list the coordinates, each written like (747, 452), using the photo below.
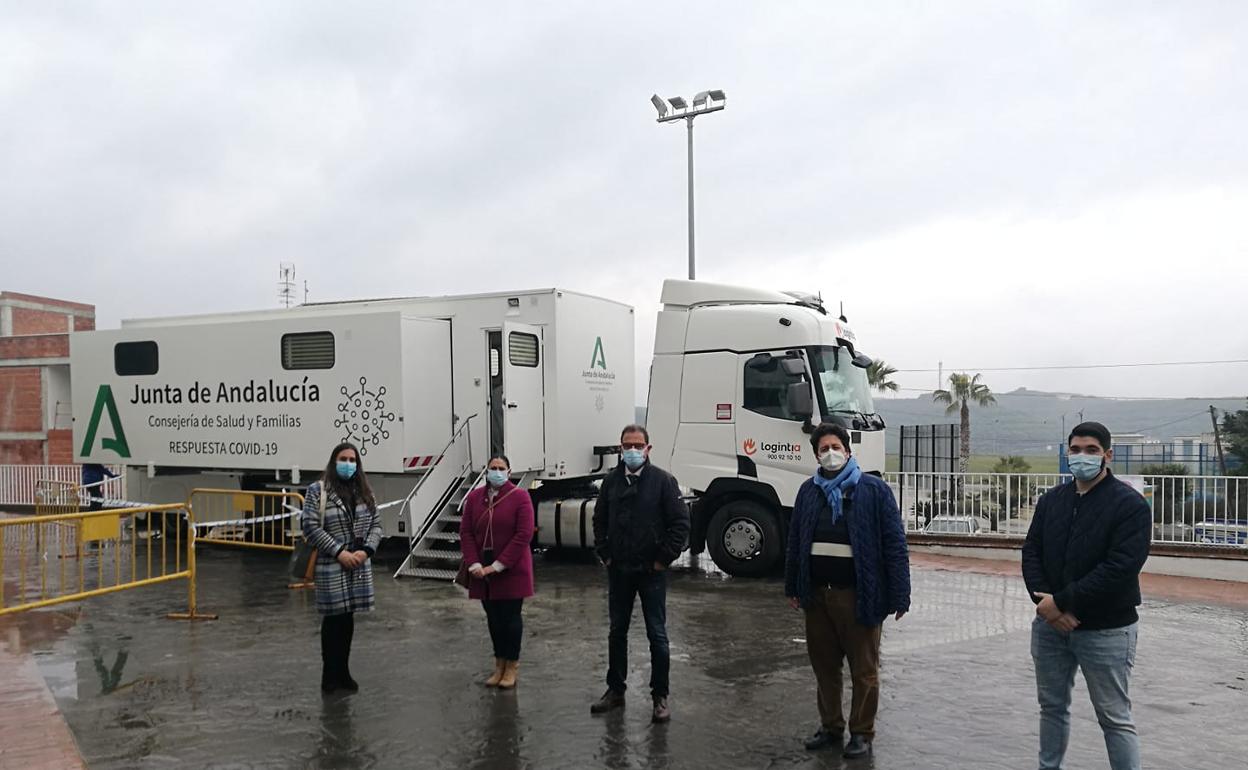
(348, 634)
(329, 678)
(825, 739)
(858, 746)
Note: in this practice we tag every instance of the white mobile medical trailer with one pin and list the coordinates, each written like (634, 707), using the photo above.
(427, 388)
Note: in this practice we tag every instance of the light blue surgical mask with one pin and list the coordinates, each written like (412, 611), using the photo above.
(634, 458)
(345, 469)
(1085, 467)
(496, 478)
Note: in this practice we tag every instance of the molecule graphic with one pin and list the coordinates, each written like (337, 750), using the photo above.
(363, 416)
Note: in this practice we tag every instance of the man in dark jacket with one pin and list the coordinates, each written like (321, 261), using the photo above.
(1086, 546)
(640, 527)
(93, 474)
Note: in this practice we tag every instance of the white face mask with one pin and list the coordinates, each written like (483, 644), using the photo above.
(832, 460)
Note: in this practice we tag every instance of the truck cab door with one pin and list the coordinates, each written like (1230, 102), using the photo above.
(771, 442)
(524, 397)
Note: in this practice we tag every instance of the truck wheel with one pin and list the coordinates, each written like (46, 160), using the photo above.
(744, 539)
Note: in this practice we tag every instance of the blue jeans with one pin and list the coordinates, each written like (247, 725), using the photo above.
(1106, 658)
(623, 587)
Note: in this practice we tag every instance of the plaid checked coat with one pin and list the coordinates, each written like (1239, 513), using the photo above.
(338, 589)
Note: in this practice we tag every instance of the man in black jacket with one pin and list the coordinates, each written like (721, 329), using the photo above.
(640, 527)
(1087, 543)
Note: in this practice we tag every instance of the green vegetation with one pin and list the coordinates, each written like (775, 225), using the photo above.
(879, 376)
(1235, 434)
(963, 391)
(989, 463)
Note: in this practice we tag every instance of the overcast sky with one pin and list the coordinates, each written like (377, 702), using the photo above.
(983, 184)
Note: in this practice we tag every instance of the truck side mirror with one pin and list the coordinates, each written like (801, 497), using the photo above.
(862, 361)
(800, 403)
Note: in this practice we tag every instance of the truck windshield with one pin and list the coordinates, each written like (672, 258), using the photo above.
(843, 387)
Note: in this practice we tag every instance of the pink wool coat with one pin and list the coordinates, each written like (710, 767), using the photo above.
(512, 533)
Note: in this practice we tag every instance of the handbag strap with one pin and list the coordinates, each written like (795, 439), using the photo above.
(490, 505)
(321, 504)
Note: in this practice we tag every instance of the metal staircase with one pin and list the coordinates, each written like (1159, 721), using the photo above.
(435, 554)
(432, 510)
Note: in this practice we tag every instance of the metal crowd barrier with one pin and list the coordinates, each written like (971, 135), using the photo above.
(67, 557)
(54, 497)
(263, 520)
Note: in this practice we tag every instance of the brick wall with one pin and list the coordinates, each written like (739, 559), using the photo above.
(29, 321)
(34, 328)
(60, 447)
(81, 307)
(21, 400)
(21, 452)
(39, 346)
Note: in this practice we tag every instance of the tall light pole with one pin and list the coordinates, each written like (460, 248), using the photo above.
(676, 108)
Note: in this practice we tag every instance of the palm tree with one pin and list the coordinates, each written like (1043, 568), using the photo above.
(878, 374)
(963, 391)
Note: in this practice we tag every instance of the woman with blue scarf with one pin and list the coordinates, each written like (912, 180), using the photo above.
(848, 568)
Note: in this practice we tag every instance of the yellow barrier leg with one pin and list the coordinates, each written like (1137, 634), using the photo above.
(192, 612)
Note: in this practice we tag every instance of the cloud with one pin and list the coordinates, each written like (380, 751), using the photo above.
(964, 178)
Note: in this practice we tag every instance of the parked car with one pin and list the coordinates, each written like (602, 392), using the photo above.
(1221, 533)
(954, 525)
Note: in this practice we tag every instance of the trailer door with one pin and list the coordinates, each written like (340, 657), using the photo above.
(523, 392)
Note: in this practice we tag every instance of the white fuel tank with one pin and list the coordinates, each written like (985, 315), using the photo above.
(565, 523)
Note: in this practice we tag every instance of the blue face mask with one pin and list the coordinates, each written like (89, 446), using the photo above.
(496, 478)
(634, 458)
(345, 469)
(1085, 467)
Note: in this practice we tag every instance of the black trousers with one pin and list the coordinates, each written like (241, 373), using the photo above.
(506, 626)
(337, 632)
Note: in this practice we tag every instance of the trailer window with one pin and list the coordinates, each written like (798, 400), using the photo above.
(308, 350)
(766, 390)
(131, 359)
(522, 349)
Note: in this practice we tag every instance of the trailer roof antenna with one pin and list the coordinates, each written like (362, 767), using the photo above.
(286, 292)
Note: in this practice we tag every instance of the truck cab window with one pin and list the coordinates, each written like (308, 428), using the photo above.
(843, 387)
(766, 389)
(131, 359)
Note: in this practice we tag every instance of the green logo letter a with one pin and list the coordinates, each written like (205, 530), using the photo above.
(104, 400)
(599, 358)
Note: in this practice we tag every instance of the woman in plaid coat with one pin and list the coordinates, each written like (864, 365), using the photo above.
(345, 540)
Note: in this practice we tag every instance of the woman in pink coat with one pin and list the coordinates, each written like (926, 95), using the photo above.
(494, 535)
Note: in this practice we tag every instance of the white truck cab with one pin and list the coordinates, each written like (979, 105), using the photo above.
(739, 380)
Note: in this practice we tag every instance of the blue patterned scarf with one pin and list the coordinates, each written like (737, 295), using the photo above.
(836, 487)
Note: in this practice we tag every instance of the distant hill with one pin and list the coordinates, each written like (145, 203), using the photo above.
(1029, 422)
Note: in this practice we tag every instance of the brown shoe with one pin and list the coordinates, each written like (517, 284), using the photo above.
(609, 701)
(510, 669)
(498, 673)
(661, 711)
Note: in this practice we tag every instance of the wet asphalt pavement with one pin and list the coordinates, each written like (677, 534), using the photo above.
(957, 690)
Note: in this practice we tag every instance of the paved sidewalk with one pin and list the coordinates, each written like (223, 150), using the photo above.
(33, 734)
